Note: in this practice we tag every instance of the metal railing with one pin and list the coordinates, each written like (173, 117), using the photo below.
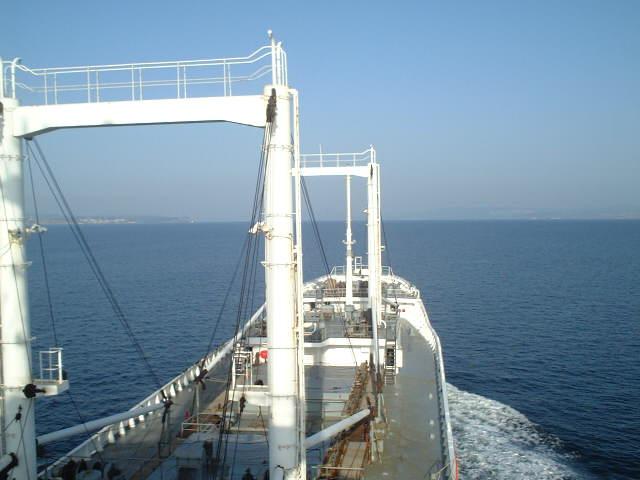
(193, 424)
(359, 159)
(143, 81)
(51, 365)
(107, 435)
(432, 338)
(341, 270)
(336, 292)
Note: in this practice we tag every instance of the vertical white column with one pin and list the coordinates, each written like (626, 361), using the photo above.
(349, 243)
(280, 283)
(302, 411)
(373, 254)
(14, 310)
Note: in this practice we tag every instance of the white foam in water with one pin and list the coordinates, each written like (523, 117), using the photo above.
(495, 441)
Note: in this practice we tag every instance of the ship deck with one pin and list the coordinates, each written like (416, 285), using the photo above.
(408, 439)
(413, 444)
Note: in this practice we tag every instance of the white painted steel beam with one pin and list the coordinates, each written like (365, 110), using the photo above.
(96, 424)
(335, 429)
(34, 120)
(361, 171)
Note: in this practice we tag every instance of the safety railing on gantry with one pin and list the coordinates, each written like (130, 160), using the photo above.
(144, 81)
(358, 159)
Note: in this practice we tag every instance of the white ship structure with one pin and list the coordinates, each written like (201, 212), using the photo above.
(337, 377)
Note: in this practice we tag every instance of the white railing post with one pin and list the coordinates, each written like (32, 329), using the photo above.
(14, 63)
(97, 86)
(184, 81)
(178, 80)
(224, 77)
(274, 74)
(60, 372)
(140, 94)
(133, 84)
(46, 90)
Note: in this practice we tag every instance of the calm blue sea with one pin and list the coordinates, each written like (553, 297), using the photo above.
(539, 320)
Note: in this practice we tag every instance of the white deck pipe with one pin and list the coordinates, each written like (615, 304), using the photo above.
(335, 429)
(96, 424)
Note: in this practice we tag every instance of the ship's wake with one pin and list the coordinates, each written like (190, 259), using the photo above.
(495, 441)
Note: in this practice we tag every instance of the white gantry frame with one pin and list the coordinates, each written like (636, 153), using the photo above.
(363, 164)
(151, 94)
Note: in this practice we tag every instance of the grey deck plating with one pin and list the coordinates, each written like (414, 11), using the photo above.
(413, 446)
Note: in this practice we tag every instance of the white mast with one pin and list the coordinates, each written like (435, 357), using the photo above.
(283, 435)
(374, 257)
(19, 435)
(349, 243)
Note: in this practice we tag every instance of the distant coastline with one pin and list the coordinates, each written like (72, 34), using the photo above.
(160, 220)
(113, 220)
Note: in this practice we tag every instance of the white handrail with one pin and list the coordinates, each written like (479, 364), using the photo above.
(86, 83)
(338, 159)
(163, 64)
(432, 338)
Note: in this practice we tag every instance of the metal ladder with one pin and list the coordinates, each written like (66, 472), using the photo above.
(390, 351)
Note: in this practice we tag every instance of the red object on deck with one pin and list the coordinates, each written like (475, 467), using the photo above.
(264, 354)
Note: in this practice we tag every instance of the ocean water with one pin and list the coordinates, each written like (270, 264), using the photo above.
(539, 321)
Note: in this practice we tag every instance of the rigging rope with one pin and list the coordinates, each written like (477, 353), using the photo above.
(52, 317)
(246, 290)
(314, 226)
(45, 270)
(80, 238)
(21, 442)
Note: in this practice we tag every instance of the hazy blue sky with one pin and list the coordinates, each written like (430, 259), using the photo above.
(478, 109)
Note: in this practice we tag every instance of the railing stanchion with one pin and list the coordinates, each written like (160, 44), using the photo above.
(224, 78)
(141, 97)
(184, 81)
(178, 80)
